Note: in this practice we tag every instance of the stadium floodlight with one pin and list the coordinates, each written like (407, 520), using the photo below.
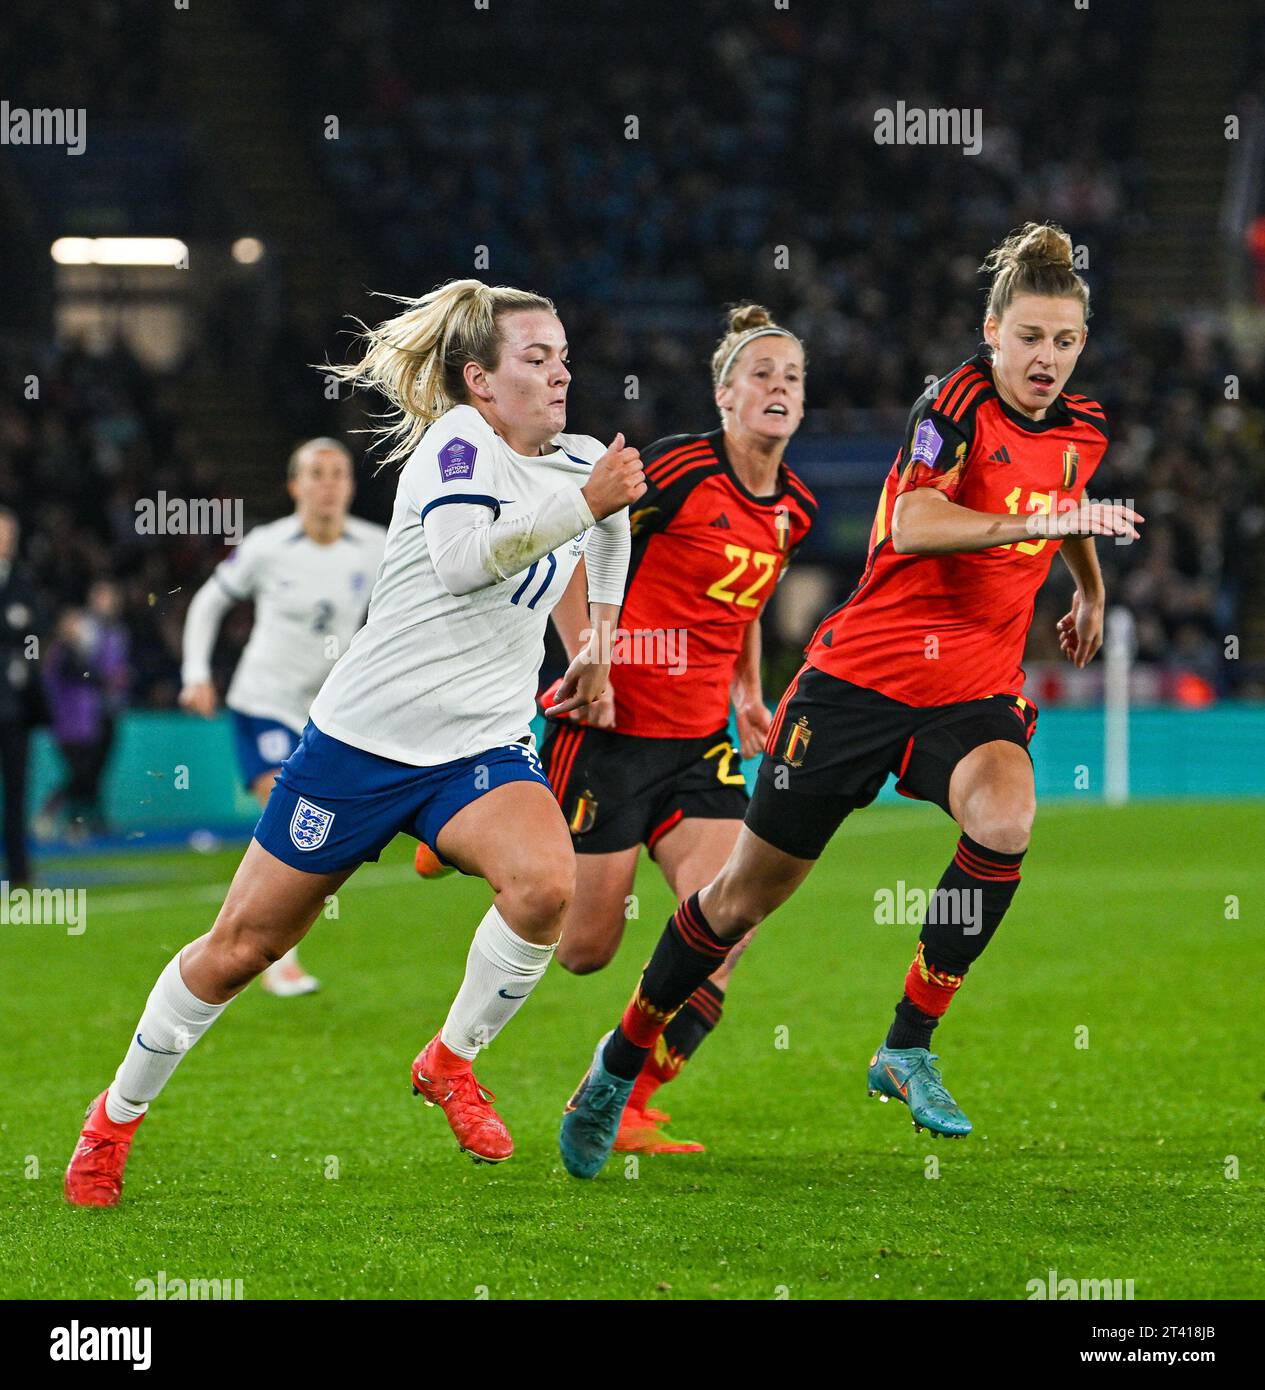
(120, 250)
(247, 250)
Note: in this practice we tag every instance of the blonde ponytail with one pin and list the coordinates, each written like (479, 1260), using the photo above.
(417, 358)
(1037, 259)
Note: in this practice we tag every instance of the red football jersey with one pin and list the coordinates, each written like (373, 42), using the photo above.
(940, 629)
(706, 554)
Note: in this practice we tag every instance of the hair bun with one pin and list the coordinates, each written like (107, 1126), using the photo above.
(1046, 246)
(744, 317)
(744, 321)
(1035, 243)
(1036, 259)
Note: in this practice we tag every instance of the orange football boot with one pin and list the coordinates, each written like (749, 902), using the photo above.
(639, 1133)
(660, 1066)
(94, 1176)
(479, 1129)
(427, 864)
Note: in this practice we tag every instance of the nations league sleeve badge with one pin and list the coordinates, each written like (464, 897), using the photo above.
(927, 443)
(456, 460)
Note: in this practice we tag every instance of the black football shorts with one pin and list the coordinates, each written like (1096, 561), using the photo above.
(619, 790)
(833, 745)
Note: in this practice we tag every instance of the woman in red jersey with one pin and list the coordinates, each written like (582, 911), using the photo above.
(652, 761)
(918, 674)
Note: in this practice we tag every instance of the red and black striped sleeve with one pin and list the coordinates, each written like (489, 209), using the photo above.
(940, 431)
(674, 467)
(803, 511)
(1082, 408)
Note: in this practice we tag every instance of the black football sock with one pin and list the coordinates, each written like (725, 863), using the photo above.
(965, 910)
(700, 1013)
(686, 954)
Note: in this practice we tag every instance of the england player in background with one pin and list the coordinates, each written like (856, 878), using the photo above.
(309, 576)
(424, 726)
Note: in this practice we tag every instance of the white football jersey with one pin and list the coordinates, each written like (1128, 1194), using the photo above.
(309, 600)
(433, 677)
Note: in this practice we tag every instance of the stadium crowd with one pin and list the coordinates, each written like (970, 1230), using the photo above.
(641, 241)
(82, 439)
(644, 238)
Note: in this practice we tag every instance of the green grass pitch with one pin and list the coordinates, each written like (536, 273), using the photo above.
(1106, 1160)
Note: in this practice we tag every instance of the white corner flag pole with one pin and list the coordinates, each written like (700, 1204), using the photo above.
(1118, 661)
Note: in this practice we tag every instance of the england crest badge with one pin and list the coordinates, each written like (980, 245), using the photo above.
(309, 826)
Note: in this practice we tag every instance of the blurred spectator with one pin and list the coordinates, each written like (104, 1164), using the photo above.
(1254, 239)
(21, 621)
(73, 463)
(86, 679)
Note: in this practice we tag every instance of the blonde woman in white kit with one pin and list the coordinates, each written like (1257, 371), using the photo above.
(424, 725)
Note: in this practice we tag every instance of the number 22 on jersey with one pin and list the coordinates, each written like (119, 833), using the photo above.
(742, 558)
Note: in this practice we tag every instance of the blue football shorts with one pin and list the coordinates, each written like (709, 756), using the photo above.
(334, 806)
(262, 745)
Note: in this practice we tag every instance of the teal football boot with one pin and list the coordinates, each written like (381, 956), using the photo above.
(908, 1074)
(591, 1119)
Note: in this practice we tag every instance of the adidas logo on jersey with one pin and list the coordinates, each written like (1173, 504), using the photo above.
(722, 521)
(1000, 456)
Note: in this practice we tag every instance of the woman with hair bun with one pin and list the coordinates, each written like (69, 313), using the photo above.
(918, 674)
(652, 762)
(423, 726)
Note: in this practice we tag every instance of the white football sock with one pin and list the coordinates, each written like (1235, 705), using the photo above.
(501, 971)
(174, 1019)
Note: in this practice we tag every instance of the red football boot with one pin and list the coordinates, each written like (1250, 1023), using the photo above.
(441, 1078)
(427, 863)
(94, 1177)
